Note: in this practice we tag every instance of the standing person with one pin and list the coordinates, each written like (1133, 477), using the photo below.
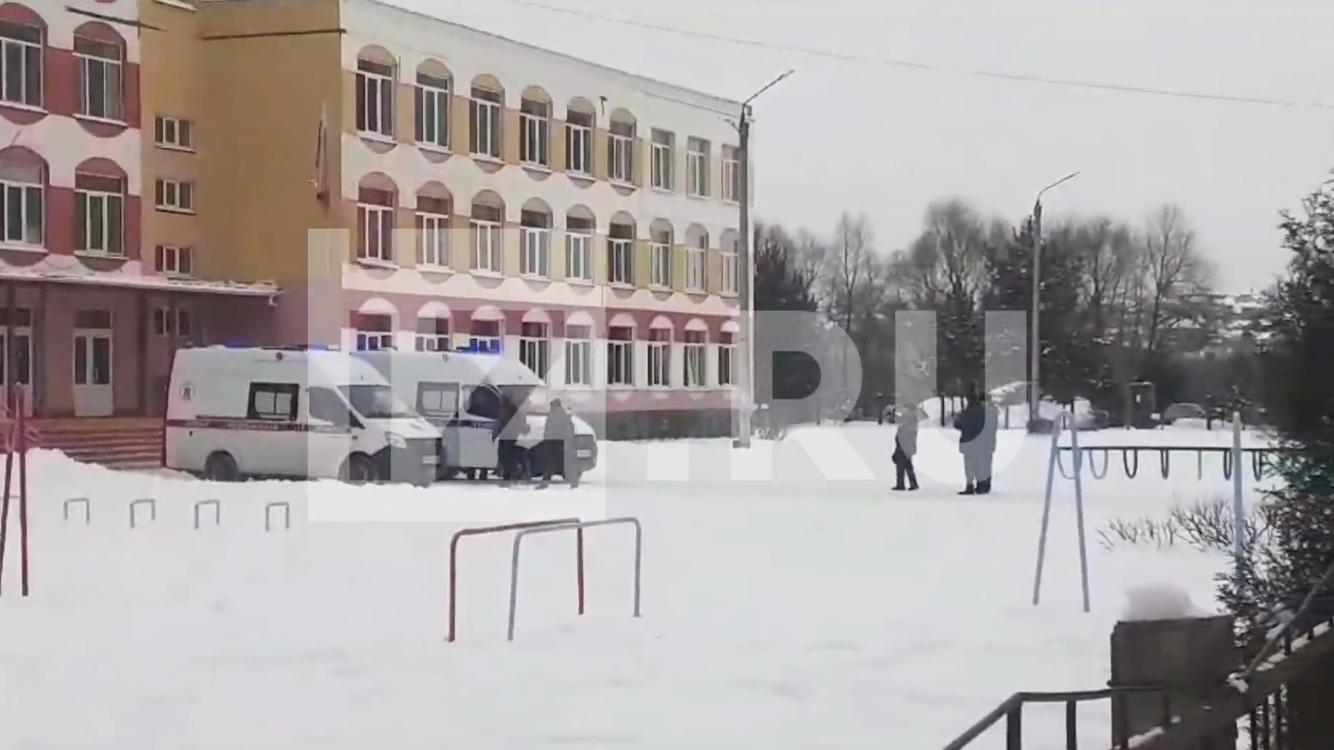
(557, 447)
(986, 447)
(970, 423)
(511, 423)
(905, 447)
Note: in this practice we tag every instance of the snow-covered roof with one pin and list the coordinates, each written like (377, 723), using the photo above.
(151, 283)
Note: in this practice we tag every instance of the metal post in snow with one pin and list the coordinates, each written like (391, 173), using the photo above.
(1079, 511)
(1046, 509)
(1238, 510)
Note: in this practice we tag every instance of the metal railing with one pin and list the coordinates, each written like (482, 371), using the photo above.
(1012, 711)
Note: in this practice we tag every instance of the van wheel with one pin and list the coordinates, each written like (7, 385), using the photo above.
(358, 469)
(221, 467)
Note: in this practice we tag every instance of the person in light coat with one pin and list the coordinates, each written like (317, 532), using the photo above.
(905, 447)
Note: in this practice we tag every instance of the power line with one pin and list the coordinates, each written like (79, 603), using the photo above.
(921, 66)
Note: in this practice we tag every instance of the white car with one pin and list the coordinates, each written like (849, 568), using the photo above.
(286, 412)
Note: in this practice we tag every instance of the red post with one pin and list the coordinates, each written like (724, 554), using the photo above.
(22, 426)
(9, 441)
(579, 565)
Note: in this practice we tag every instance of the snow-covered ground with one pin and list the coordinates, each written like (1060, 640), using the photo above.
(790, 601)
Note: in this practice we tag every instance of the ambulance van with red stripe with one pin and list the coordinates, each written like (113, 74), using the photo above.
(234, 413)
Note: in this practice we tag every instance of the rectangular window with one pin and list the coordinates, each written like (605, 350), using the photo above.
(485, 117)
(579, 143)
(433, 335)
(431, 105)
(535, 134)
(174, 132)
(486, 246)
(22, 214)
(432, 240)
(163, 324)
(175, 195)
(731, 264)
(620, 356)
(486, 336)
(173, 261)
(693, 373)
(373, 333)
(438, 400)
(661, 265)
(579, 256)
(697, 167)
(727, 361)
(663, 148)
(20, 64)
(375, 98)
(98, 222)
(659, 358)
(731, 174)
(620, 158)
(99, 68)
(535, 252)
(535, 348)
(695, 260)
(375, 231)
(578, 356)
(620, 261)
(273, 401)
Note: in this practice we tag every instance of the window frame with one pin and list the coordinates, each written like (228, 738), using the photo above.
(660, 265)
(727, 364)
(620, 158)
(662, 172)
(579, 244)
(620, 363)
(731, 175)
(434, 340)
(384, 233)
(174, 196)
(583, 135)
(535, 135)
(493, 121)
(494, 230)
(431, 225)
(25, 191)
(178, 126)
(380, 89)
(697, 167)
(658, 361)
(579, 358)
(620, 257)
(292, 390)
(167, 260)
(113, 87)
(422, 126)
(697, 261)
(535, 252)
(84, 244)
(26, 98)
(694, 362)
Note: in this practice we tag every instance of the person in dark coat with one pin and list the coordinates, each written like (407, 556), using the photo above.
(511, 424)
(971, 423)
(986, 448)
(905, 447)
(557, 448)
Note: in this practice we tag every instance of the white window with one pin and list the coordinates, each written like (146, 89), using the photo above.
(175, 195)
(731, 174)
(432, 239)
(535, 134)
(486, 122)
(535, 252)
(620, 356)
(174, 133)
(173, 261)
(486, 246)
(731, 265)
(727, 361)
(620, 266)
(432, 335)
(695, 351)
(375, 98)
(535, 348)
(660, 265)
(663, 146)
(660, 358)
(373, 333)
(579, 143)
(375, 232)
(620, 158)
(695, 259)
(578, 356)
(20, 64)
(578, 255)
(99, 219)
(164, 324)
(486, 336)
(431, 104)
(22, 212)
(99, 66)
(697, 167)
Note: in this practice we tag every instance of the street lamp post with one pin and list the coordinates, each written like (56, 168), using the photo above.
(745, 372)
(1035, 345)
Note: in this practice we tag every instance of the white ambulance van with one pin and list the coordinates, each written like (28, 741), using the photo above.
(290, 412)
(460, 392)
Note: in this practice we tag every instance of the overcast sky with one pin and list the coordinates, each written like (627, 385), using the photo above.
(929, 135)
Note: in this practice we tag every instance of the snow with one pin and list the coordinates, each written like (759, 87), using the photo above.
(787, 603)
(1158, 601)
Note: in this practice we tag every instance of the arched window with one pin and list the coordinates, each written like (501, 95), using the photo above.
(376, 198)
(621, 147)
(621, 350)
(697, 247)
(535, 135)
(488, 96)
(535, 239)
(488, 329)
(376, 75)
(535, 342)
(22, 38)
(579, 349)
(431, 104)
(727, 354)
(660, 253)
(694, 370)
(100, 55)
(660, 353)
(99, 207)
(579, 229)
(373, 325)
(434, 205)
(433, 327)
(22, 198)
(621, 249)
(488, 215)
(579, 119)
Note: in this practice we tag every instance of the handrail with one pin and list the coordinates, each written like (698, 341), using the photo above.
(1011, 707)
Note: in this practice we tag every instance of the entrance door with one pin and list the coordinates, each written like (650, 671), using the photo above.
(16, 364)
(92, 373)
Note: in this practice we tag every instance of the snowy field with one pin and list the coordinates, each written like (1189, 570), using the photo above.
(790, 601)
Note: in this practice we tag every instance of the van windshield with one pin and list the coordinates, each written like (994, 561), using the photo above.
(376, 402)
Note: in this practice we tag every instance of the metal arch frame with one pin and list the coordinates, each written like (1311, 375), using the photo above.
(1093, 465)
(152, 509)
(87, 508)
(1126, 453)
(578, 527)
(1053, 463)
(520, 527)
(1165, 462)
(217, 511)
(287, 515)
